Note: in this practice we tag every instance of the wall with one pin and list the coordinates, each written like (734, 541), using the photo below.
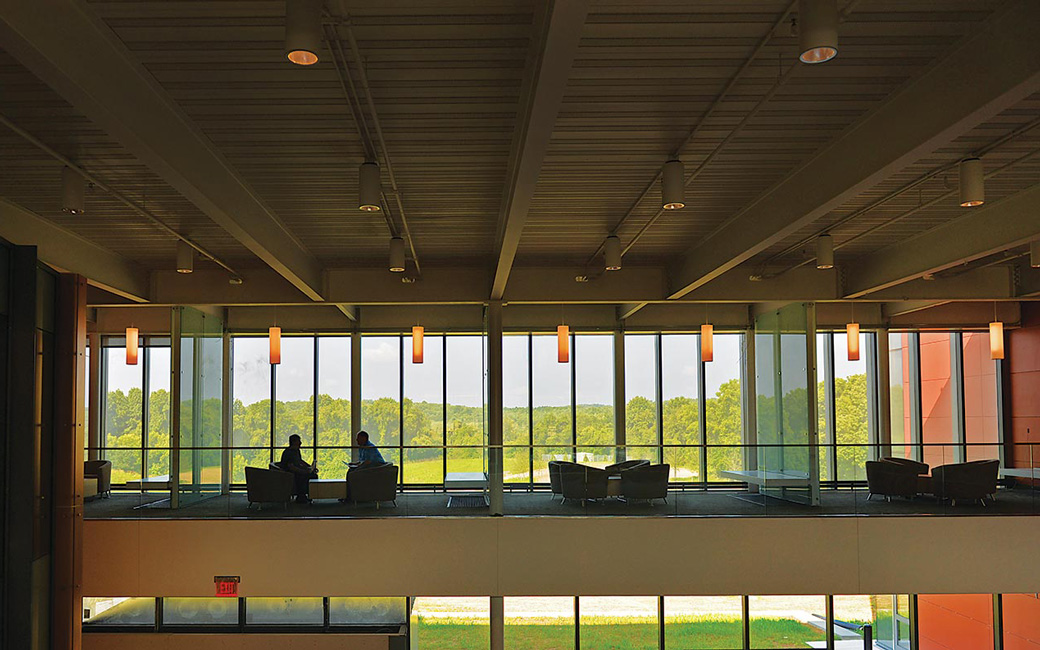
(955, 621)
(1021, 622)
(1023, 354)
(533, 556)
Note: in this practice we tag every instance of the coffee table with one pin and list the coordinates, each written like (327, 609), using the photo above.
(476, 481)
(327, 488)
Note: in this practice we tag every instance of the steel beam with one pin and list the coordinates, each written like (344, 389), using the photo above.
(67, 45)
(548, 69)
(925, 115)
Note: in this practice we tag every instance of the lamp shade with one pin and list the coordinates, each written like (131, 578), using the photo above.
(707, 344)
(973, 183)
(817, 30)
(612, 253)
(672, 189)
(369, 188)
(274, 336)
(825, 252)
(185, 257)
(302, 31)
(852, 340)
(73, 191)
(996, 340)
(131, 346)
(563, 344)
(397, 255)
(417, 344)
(1034, 254)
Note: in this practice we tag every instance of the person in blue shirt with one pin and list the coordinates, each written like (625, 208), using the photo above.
(368, 454)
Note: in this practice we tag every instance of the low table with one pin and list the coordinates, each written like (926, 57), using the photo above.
(764, 478)
(1020, 472)
(477, 481)
(327, 488)
(151, 483)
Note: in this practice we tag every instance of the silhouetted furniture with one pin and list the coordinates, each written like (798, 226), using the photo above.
(617, 468)
(555, 467)
(583, 482)
(974, 480)
(373, 483)
(893, 478)
(101, 470)
(646, 482)
(268, 486)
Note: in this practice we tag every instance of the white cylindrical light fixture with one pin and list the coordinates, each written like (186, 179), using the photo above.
(1034, 254)
(973, 183)
(673, 176)
(707, 343)
(612, 253)
(397, 255)
(73, 191)
(131, 346)
(817, 30)
(996, 340)
(303, 31)
(825, 252)
(185, 257)
(369, 188)
(852, 340)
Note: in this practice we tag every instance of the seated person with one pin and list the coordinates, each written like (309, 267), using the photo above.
(368, 454)
(292, 461)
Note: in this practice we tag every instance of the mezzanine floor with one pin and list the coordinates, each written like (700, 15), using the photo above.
(690, 503)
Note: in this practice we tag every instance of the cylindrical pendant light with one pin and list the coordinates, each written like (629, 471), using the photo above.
(825, 252)
(274, 336)
(996, 340)
(852, 340)
(563, 344)
(612, 253)
(707, 344)
(302, 31)
(73, 191)
(672, 177)
(397, 255)
(817, 30)
(131, 346)
(417, 344)
(369, 188)
(973, 185)
(1034, 254)
(185, 257)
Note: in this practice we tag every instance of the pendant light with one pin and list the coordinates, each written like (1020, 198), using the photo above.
(396, 255)
(817, 30)
(612, 253)
(973, 184)
(131, 346)
(417, 344)
(563, 344)
(73, 191)
(996, 336)
(707, 343)
(303, 31)
(369, 188)
(672, 178)
(852, 336)
(274, 336)
(185, 257)
(824, 252)
(1034, 254)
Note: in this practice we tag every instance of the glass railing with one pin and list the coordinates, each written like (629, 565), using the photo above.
(575, 480)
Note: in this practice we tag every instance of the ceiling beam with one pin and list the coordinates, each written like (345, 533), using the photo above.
(548, 69)
(66, 45)
(981, 231)
(70, 253)
(991, 71)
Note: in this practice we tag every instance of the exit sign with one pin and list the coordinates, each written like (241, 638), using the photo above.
(227, 586)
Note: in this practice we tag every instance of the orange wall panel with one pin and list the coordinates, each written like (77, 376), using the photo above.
(955, 621)
(1021, 622)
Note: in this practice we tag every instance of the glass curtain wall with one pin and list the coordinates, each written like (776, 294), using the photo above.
(381, 384)
(642, 427)
(518, 456)
(539, 623)
(424, 412)
(981, 426)
(681, 419)
(724, 419)
(464, 404)
(552, 422)
(937, 398)
(842, 408)
(333, 437)
(594, 398)
(251, 406)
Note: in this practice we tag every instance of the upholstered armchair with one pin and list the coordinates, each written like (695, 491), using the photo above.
(617, 468)
(974, 480)
(555, 469)
(646, 482)
(583, 482)
(268, 486)
(373, 483)
(889, 479)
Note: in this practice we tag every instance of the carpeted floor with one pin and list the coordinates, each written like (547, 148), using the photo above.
(715, 503)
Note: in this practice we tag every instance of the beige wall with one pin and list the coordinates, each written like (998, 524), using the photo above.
(533, 556)
(234, 641)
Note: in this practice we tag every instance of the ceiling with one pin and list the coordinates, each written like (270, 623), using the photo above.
(713, 82)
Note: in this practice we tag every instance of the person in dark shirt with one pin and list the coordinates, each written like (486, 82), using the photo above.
(292, 461)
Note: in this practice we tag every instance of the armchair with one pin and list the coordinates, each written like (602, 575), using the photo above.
(646, 482)
(373, 483)
(583, 482)
(889, 479)
(974, 480)
(617, 468)
(268, 486)
(102, 471)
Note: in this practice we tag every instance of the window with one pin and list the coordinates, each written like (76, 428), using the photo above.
(285, 611)
(124, 388)
(451, 623)
(702, 622)
(294, 394)
(850, 400)
(465, 398)
(681, 408)
(619, 622)
(981, 432)
(551, 403)
(381, 392)
(900, 391)
(786, 621)
(334, 434)
(424, 410)
(367, 611)
(641, 397)
(544, 622)
(722, 390)
(157, 458)
(516, 413)
(937, 430)
(594, 398)
(251, 405)
(200, 611)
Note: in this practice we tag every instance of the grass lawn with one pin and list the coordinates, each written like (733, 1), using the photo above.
(611, 634)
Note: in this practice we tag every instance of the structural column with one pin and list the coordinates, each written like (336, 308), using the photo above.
(884, 395)
(94, 398)
(620, 435)
(498, 623)
(494, 334)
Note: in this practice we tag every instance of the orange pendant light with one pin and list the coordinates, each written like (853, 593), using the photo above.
(707, 344)
(852, 336)
(417, 344)
(563, 343)
(131, 346)
(275, 336)
(996, 340)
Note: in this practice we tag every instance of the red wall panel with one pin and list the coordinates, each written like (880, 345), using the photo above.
(955, 621)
